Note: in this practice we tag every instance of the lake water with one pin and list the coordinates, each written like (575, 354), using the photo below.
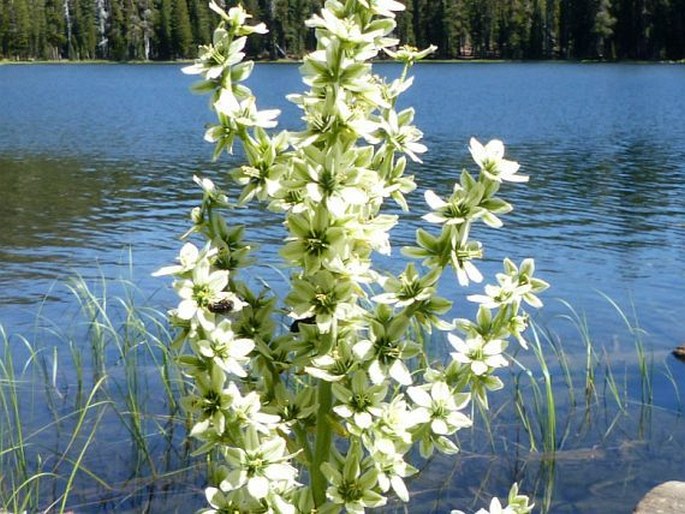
(96, 164)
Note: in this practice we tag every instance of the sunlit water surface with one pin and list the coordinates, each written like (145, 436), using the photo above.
(95, 175)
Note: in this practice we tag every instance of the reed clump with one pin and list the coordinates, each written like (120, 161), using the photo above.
(108, 390)
(103, 390)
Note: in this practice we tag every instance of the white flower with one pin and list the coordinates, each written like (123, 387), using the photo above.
(361, 403)
(387, 349)
(227, 352)
(437, 204)
(236, 18)
(495, 508)
(481, 355)
(395, 422)
(409, 54)
(398, 131)
(514, 285)
(188, 258)
(464, 268)
(385, 8)
(217, 500)
(440, 407)
(351, 486)
(491, 160)
(245, 112)
(345, 29)
(224, 55)
(198, 293)
(507, 292)
(210, 193)
(470, 201)
(260, 467)
(238, 15)
(392, 469)
(332, 366)
(248, 410)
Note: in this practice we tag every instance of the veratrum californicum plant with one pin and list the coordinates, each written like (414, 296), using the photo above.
(319, 413)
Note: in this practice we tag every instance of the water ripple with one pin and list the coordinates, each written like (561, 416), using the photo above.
(604, 207)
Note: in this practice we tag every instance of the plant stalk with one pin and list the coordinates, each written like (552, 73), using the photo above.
(324, 439)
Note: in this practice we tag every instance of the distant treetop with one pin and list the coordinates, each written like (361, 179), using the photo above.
(143, 30)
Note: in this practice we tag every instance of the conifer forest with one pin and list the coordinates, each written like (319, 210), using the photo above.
(162, 30)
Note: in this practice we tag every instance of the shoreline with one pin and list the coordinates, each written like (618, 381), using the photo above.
(9, 62)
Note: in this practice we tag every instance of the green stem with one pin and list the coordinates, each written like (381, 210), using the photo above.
(324, 439)
(301, 435)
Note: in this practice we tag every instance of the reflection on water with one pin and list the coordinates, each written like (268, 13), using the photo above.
(71, 214)
(95, 160)
(96, 165)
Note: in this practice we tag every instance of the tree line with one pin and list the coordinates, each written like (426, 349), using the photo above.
(122, 30)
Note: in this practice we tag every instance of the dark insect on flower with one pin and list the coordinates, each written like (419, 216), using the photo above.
(295, 326)
(223, 306)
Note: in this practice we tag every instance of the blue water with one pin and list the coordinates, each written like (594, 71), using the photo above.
(97, 159)
(96, 164)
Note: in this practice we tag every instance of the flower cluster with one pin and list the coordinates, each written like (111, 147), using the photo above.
(472, 199)
(314, 403)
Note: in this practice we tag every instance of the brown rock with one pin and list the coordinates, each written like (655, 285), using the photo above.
(666, 498)
(679, 352)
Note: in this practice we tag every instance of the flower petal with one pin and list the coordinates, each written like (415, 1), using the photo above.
(258, 487)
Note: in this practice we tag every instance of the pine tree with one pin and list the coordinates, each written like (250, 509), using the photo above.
(279, 27)
(141, 26)
(4, 29)
(436, 27)
(564, 30)
(577, 22)
(405, 24)
(116, 31)
(456, 28)
(481, 22)
(512, 26)
(629, 29)
(420, 18)
(37, 36)
(172, 29)
(201, 21)
(55, 37)
(551, 28)
(536, 39)
(163, 31)
(83, 29)
(675, 30)
(257, 46)
(101, 25)
(604, 29)
(19, 29)
(656, 32)
(181, 31)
